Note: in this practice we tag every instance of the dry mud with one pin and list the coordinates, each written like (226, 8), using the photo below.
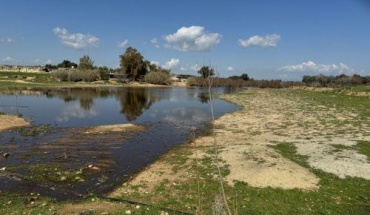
(9, 121)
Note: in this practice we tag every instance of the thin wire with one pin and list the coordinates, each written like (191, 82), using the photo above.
(210, 82)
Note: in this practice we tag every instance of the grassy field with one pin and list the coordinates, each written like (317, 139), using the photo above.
(187, 184)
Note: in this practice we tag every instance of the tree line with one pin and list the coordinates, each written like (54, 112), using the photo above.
(134, 67)
(335, 81)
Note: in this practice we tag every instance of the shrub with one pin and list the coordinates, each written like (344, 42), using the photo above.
(158, 78)
(104, 74)
(62, 75)
(77, 75)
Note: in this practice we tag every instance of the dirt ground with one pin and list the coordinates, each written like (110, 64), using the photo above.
(267, 118)
(8, 122)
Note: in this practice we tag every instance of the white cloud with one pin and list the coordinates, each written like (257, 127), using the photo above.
(76, 41)
(267, 41)
(122, 44)
(154, 42)
(171, 64)
(311, 66)
(155, 63)
(192, 39)
(7, 40)
(8, 59)
(230, 69)
(195, 68)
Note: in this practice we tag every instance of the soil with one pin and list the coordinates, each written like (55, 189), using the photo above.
(266, 119)
(9, 122)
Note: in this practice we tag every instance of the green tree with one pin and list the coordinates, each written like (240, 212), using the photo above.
(206, 72)
(245, 77)
(133, 64)
(86, 63)
(67, 64)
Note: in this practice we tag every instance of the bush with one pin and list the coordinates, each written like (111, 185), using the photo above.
(104, 74)
(77, 75)
(158, 78)
(62, 75)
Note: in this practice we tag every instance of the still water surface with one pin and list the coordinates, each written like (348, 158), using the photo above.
(169, 115)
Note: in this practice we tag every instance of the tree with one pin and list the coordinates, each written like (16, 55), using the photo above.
(49, 67)
(67, 64)
(205, 71)
(86, 63)
(245, 77)
(133, 64)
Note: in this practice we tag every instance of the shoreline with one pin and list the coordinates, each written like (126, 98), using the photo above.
(28, 84)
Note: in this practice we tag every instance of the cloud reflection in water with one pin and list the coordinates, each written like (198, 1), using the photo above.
(74, 110)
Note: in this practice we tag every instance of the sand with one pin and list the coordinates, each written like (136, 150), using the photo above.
(9, 121)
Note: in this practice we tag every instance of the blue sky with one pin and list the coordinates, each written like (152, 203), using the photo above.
(266, 39)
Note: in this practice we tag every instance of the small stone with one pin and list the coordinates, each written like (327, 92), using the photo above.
(2, 168)
(6, 155)
(93, 167)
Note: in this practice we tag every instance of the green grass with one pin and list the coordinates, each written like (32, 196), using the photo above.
(360, 89)
(335, 195)
(356, 104)
(13, 75)
(30, 203)
(363, 147)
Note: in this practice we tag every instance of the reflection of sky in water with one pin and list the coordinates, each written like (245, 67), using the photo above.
(170, 105)
(73, 110)
(185, 115)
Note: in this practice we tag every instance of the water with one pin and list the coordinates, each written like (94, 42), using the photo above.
(169, 115)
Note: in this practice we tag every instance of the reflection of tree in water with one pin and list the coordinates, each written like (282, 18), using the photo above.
(86, 96)
(86, 102)
(203, 97)
(134, 102)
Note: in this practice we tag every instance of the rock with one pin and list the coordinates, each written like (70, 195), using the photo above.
(6, 155)
(2, 169)
(90, 166)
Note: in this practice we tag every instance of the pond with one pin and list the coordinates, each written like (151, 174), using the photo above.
(53, 155)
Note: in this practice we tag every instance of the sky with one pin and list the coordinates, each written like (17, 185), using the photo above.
(267, 39)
